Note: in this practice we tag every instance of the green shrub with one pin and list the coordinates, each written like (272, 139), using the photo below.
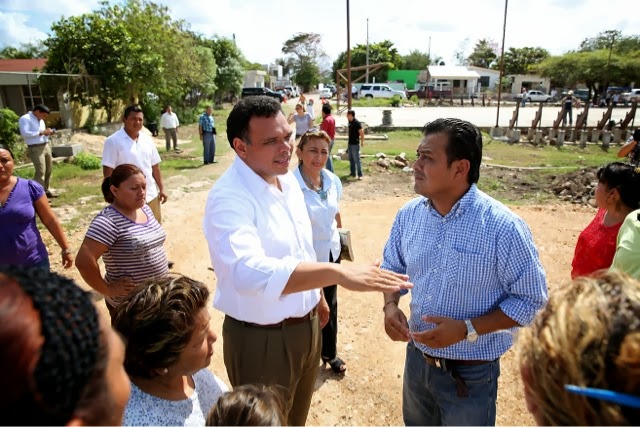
(88, 161)
(396, 100)
(9, 132)
(414, 99)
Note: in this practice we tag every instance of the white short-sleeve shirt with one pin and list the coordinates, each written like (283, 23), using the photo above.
(120, 149)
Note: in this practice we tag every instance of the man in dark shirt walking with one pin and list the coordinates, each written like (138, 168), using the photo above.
(356, 140)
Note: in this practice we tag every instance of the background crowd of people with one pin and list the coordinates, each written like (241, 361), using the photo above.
(468, 264)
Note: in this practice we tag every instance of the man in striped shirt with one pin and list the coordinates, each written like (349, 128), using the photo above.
(476, 276)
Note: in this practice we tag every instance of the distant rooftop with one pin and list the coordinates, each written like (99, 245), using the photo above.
(22, 65)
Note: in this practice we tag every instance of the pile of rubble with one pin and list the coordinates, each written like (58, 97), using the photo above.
(400, 161)
(576, 187)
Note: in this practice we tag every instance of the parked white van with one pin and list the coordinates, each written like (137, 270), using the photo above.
(380, 91)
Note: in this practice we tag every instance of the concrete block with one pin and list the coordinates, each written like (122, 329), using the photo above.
(66, 150)
(595, 135)
(583, 138)
(606, 139)
(514, 135)
(531, 132)
(538, 138)
(496, 132)
(573, 136)
(560, 138)
(553, 133)
(617, 135)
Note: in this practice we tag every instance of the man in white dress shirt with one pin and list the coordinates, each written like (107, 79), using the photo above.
(170, 123)
(261, 247)
(130, 146)
(36, 136)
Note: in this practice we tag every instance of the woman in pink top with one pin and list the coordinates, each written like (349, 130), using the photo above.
(617, 194)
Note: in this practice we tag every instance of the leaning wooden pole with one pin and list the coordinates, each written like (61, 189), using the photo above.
(348, 59)
(504, 31)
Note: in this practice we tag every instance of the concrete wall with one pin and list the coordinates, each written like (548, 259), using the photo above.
(530, 81)
(254, 78)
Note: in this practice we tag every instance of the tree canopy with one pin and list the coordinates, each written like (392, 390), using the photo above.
(383, 51)
(305, 51)
(522, 60)
(484, 54)
(416, 60)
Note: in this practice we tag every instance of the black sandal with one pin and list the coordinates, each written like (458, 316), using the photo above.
(337, 365)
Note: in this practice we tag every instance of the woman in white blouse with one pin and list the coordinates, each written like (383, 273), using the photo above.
(322, 192)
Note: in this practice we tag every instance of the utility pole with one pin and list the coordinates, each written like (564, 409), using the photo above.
(504, 30)
(367, 71)
(429, 52)
(348, 59)
(613, 39)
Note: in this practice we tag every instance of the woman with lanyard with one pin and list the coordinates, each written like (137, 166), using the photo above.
(322, 192)
(303, 120)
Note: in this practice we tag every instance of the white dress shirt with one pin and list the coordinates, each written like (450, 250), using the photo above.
(322, 214)
(120, 149)
(257, 236)
(30, 128)
(169, 121)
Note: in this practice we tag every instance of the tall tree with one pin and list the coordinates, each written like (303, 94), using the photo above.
(483, 54)
(383, 51)
(611, 39)
(24, 51)
(521, 60)
(306, 51)
(416, 60)
(131, 49)
(230, 74)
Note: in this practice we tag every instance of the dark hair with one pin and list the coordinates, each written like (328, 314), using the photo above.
(42, 108)
(119, 175)
(158, 319)
(249, 405)
(54, 353)
(636, 135)
(624, 178)
(132, 109)
(326, 108)
(245, 110)
(6, 148)
(465, 143)
(352, 112)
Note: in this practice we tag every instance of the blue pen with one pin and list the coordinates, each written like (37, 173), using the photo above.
(606, 395)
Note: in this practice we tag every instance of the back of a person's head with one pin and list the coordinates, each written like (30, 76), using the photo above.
(625, 178)
(587, 336)
(326, 108)
(53, 352)
(157, 321)
(636, 135)
(249, 405)
(246, 109)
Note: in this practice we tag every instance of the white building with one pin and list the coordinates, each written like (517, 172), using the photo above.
(488, 78)
(254, 78)
(458, 78)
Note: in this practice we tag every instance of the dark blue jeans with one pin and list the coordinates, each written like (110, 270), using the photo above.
(209, 142)
(329, 165)
(354, 159)
(429, 394)
(43, 265)
(564, 119)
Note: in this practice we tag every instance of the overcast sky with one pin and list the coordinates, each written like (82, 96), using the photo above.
(262, 26)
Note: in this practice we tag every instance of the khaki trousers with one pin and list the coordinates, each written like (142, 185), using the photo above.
(170, 134)
(288, 356)
(155, 208)
(42, 161)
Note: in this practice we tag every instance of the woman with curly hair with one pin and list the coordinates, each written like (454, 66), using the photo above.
(580, 360)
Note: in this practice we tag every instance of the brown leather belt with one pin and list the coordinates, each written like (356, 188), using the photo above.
(447, 364)
(289, 321)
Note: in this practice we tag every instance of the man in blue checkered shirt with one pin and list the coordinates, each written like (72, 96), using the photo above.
(207, 129)
(476, 274)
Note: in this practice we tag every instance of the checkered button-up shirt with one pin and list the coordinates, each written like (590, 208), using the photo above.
(476, 259)
(206, 122)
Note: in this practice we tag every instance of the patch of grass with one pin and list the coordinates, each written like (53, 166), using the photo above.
(547, 156)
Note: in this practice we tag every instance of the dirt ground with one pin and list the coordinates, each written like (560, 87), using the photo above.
(370, 392)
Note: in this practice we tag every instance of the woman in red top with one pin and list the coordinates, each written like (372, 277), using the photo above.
(617, 194)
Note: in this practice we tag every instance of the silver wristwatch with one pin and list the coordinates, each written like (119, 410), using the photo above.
(472, 335)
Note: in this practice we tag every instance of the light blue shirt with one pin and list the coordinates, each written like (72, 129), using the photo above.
(322, 214)
(476, 259)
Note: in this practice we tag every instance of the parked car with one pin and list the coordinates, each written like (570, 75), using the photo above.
(325, 93)
(536, 96)
(430, 92)
(256, 91)
(332, 88)
(633, 94)
(380, 91)
(293, 91)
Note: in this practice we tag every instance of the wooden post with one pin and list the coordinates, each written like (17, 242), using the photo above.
(606, 116)
(630, 115)
(514, 118)
(538, 117)
(558, 120)
(581, 121)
